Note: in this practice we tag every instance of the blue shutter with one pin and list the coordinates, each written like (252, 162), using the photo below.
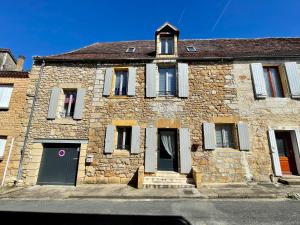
(107, 82)
(53, 103)
(209, 136)
(151, 147)
(183, 80)
(131, 81)
(293, 77)
(185, 151)
(243, 134)
(151, 80)
(135, 140)
(275, 155)
(258, 80)
(79, 105)
(109, 139)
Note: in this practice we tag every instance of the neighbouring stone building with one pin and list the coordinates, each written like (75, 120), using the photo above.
(166, 111)
(13, 114)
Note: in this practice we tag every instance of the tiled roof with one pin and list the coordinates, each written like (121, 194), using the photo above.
(14, 74)
(206, 49)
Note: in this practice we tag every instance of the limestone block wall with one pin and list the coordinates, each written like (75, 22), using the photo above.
(262, 114)
(12, 122)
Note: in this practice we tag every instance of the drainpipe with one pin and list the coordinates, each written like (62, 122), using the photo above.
(7, 161)
(20, 170)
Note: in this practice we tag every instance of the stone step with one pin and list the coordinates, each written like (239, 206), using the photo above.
(168, 185)
(290, 180)
(169, 174)
(182, 180)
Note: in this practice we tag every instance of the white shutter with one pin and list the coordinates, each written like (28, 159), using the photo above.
(79, 105)
(185, 151)
(135, 140)
(151, 147)
(295, 135)
(151, 80)
(53, 103)
(183, 80)
(107, 82)
(109, 139)
(131, 81)
(2, 146)
(274, 152)
(5, 95)
(293, 77)
(243, 134)
(209, 136)
(258, 80)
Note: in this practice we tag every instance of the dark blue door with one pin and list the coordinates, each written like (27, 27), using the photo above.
(59, 164)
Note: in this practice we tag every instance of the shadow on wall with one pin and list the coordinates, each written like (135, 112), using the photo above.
(91, 219)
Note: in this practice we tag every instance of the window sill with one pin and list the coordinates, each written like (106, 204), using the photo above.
(119, 152)
(119, 97)
(65, 121)
(227, 149)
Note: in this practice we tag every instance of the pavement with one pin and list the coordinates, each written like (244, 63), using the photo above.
(120, 191)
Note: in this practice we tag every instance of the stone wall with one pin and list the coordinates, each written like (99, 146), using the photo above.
(261, 115)
(12, 125)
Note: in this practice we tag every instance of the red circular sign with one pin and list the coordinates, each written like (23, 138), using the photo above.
(61, 153)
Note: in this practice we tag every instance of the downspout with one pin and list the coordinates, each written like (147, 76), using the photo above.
(37, 85)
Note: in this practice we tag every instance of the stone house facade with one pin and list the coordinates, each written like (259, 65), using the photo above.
(13, 114)
(201, 110)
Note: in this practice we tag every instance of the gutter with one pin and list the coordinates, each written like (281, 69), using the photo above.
(37, 86)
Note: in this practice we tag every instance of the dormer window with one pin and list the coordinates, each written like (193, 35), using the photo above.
(167, 45)
(130, 50)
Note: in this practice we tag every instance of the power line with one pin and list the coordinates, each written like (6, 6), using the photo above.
(221, 15)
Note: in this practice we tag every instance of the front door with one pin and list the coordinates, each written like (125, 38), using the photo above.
(285, 152)
(167, 150)
(59, 164)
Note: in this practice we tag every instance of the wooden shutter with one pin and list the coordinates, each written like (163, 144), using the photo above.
(209, 136)
(293, 77)
(53, 103)
(295, 135)
(107, 81)
(109, 139)
(131, 81)
(135, 140)
(258, 80)
(2, 146)
(5, 95)
(79, 105)
(151, 80)
(274, 151)
(183, 80)
(151, 143)
(243, 134)
(185, 151)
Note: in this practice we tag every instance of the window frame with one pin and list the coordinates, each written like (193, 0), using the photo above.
(4, 146)
(67, 114)
(233, 143)
(167, 67)
(164, 39)
(271, 82)
(10, 85)
(117, 70)
(126, 130)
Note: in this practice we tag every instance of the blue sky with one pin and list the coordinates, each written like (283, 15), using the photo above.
(41, 27)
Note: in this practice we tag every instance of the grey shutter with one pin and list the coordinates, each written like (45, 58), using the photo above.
(109, 139)
(209, 135)
(107, 81)
(243, 134)
(151, 80)
(258, 80)
(185, 151)
(53, 103)
(275, 155)
(293, 77)
(131, 81)
(135, 140)
(151, 139)
(79, 105)
(183, 80)
(295, 135)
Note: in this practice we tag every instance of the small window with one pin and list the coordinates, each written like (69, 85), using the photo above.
(191, 49)
(224, 136)
(69, 103)
(167, 45)
(273, 82)
(121, 82)
(130, 50)
(2, 146)
(167, 81)
(5, 95)
(123, 138)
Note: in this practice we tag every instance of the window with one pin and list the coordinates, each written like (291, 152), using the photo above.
(123, 138)
(130, 50)
(224, 136)
(69, 103)
(167, 81)
(167, 45)
(5, 95)
(273, 82)
(121, 82)
(2, 146)
(191, 49)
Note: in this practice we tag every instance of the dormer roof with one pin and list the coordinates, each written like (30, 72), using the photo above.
(167, 28)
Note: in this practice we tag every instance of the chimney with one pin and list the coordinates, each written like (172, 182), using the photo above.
(20, 63)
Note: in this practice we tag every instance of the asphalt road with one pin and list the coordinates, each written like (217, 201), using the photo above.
(194, 211)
